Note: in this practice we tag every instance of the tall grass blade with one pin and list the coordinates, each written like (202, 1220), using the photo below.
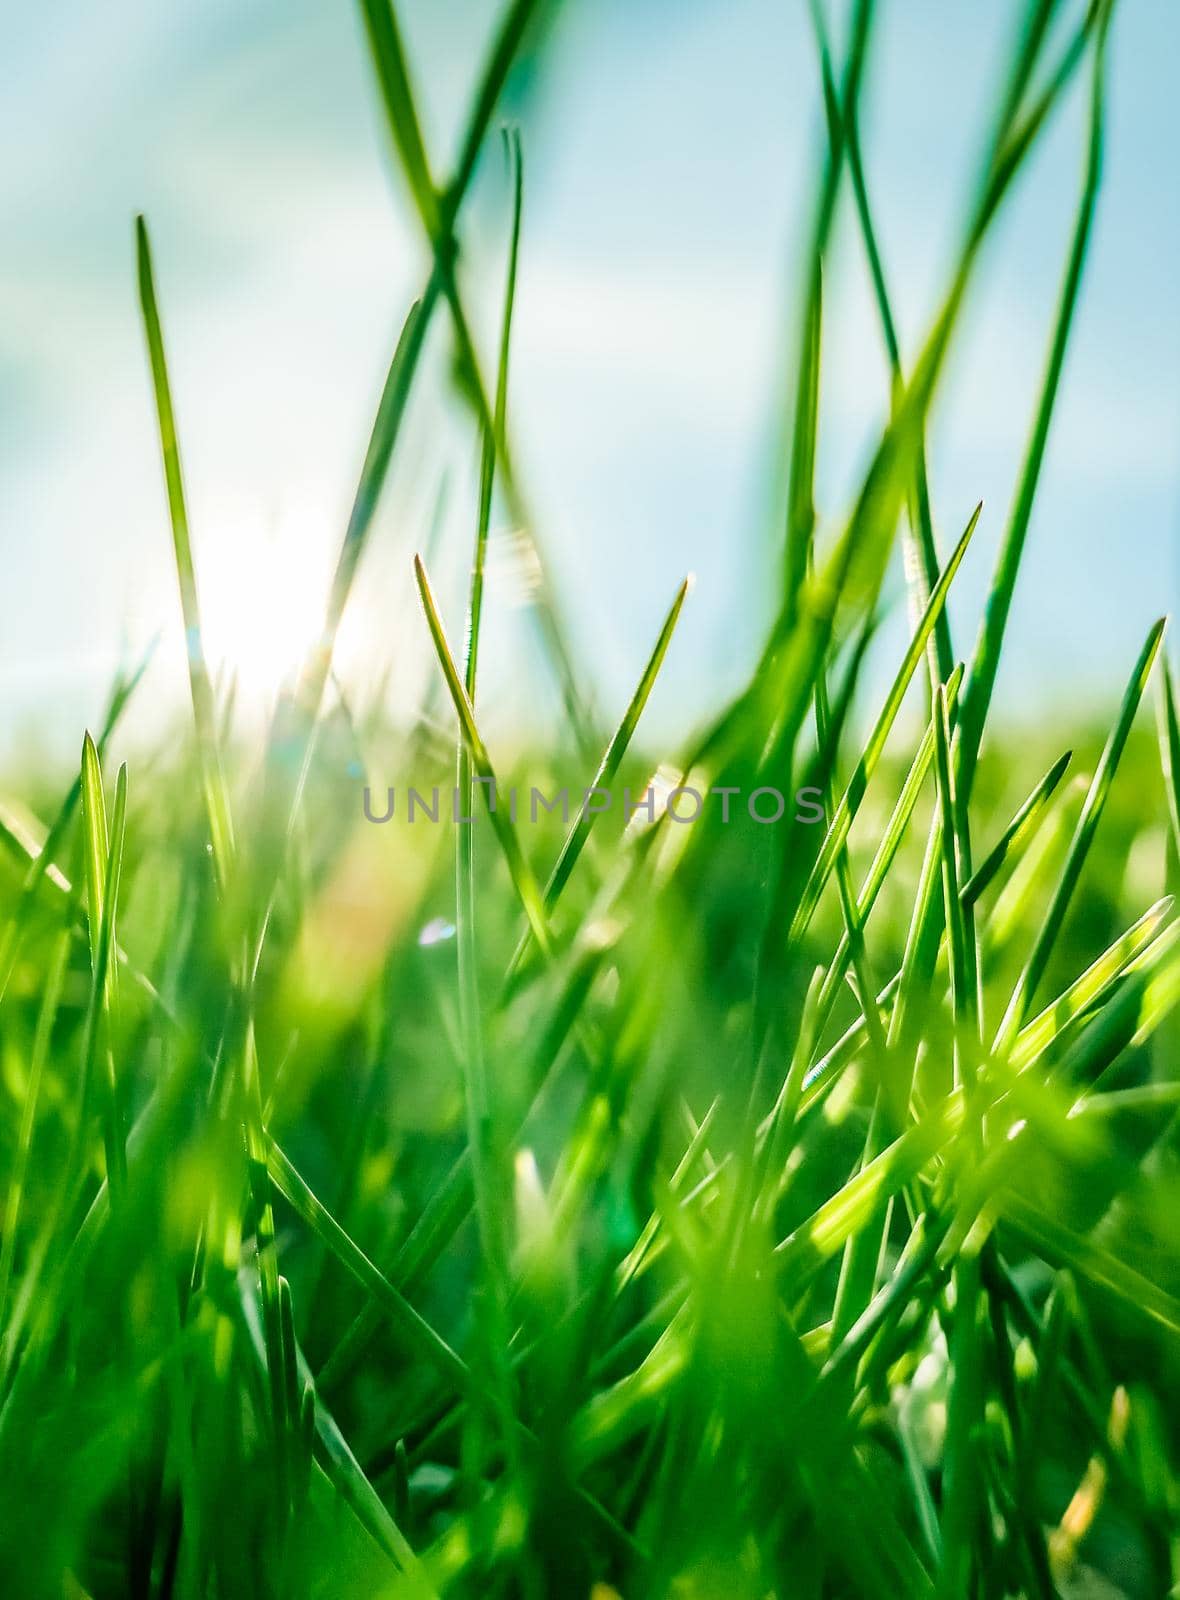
(204, 709)
(985, 663)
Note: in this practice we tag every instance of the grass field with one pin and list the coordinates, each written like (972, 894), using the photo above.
(610, 1209)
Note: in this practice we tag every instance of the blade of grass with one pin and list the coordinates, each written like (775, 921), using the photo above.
(415, 1332)
(438, 224)
(963, 992)
(397, 96)
(46, 1017)
(1088, 990)
(1169, 734)
(345, 1471)
(580, 829)
(104, 865)
(493, 436)
(1018, 832)
(801, 484)
(387, 423)
(923, 565)
(985, 664)
(1026, 985)
(42, 861)
(521, 873)
(201, 688)
(886, 853)
(845, 812)
(506, 46)
(488, 1173)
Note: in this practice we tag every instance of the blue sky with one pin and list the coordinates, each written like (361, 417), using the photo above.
(669, 148)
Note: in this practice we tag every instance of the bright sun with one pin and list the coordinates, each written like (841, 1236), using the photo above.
(262, 588)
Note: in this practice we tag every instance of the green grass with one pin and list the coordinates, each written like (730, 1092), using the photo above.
(692, 1211)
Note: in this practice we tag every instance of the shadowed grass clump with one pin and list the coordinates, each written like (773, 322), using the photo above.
(525, 1207)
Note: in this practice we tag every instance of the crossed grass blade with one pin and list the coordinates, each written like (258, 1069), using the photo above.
(524, 880)
(438, 223)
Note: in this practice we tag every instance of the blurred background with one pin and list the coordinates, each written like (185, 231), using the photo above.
(667, 152)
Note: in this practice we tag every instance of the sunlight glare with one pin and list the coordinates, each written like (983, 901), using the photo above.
(263, 587)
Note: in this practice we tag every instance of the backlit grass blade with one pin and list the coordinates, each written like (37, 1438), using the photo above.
(915, 1259)
(397, 96)
(122, 691)
(204, 708)
(801, 514)
(96, 843)
(494, 436)
(1043, 857)
(854, 793)
(1113, 1102)
(1017, 834)
(645, 1248)
(487, 1166)
(985, 663)
(892, 467)
(1132, 1012)
(805, 424)
(612, 758)
(803, 1252)
(878, 873)
(583, 823)
(543, 600)
(506, 46)
(775, 703)
(386, 427)
(521, 873)
(1170, 747)
(1038, 1035)
(1087, 825)
(1017, 134)
(963, 1000)
(891, 839)
(853, 927)
(922, 567)
(50, 886)
(53, 890)
(904, 980)
(104, 860)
